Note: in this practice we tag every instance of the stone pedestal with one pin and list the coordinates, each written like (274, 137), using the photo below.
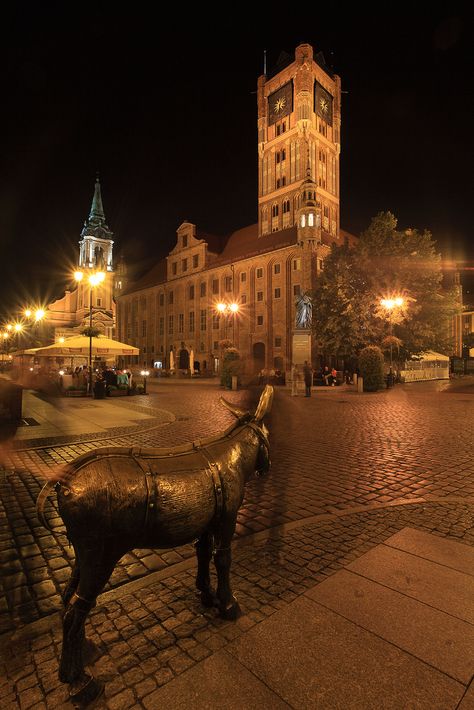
(301, 346)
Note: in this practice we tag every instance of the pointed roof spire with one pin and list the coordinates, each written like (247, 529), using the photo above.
(97, 211)
(95, 225)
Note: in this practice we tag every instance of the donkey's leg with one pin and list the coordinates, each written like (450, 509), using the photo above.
(96, 566)
(73, 581)
(204, 547)
(228, 605)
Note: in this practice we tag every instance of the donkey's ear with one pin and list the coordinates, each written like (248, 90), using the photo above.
(236, 411)
(265, 403)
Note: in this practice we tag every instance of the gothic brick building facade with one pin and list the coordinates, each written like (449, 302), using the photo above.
(263, 268)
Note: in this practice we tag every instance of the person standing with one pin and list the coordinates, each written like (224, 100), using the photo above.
(294, 380)
(308, 378)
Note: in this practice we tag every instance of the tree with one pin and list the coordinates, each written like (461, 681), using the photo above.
(347, 314)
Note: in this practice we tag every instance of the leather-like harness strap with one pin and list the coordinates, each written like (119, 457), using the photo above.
(216, 480)
(135, 453)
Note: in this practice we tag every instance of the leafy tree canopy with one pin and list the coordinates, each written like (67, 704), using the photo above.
(386, 263)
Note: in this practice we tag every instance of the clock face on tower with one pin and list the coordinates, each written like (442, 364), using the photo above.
(280, 103)
(323, 103)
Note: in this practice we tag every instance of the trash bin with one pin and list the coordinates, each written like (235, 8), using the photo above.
(99, 389)
(11, 399)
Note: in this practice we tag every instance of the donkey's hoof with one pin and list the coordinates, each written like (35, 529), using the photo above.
(231, 612)
(83, 692)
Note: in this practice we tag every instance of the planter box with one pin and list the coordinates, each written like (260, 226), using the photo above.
(75, 393)
(118, 393)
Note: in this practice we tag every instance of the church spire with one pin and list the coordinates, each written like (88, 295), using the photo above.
(97, 215)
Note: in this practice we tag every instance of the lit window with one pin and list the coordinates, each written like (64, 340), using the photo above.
(311, 220)
(303, 220)
(296, 264)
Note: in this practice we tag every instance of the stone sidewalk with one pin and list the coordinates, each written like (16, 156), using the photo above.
(347, 474)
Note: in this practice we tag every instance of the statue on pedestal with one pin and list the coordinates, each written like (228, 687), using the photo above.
(304, 311)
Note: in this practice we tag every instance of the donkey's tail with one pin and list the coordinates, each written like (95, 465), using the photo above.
(40, 501)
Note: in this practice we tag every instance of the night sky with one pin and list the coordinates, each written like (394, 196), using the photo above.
(166, 112)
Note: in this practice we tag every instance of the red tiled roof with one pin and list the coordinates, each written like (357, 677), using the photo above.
(244, 243)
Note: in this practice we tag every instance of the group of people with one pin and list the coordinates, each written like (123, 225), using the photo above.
(326, 375)
(115, 378)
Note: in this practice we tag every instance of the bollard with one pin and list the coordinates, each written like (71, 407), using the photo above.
(360, 384)
(354, 379)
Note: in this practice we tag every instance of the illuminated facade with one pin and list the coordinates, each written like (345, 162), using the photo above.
(265, 267)
(71, 314)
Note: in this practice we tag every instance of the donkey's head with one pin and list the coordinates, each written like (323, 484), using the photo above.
(255, 421)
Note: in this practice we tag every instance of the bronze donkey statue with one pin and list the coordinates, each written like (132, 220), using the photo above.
(113, 500)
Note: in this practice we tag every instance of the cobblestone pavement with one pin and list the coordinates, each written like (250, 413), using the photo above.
(404, 456)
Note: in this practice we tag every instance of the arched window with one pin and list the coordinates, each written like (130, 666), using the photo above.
(303, 220)
(274, 210)
(311, 220)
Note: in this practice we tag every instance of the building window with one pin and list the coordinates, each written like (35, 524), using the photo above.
(243, 298)
(181, 323)
(274, 210)
(296, 290)
(296, 264)
(184, 264)
(185, 241)
(276, 268)
(203, 324)
(259, 273)
(243, 276)
(278, 342)
(162, 299)
(162, 326)
(170, 325)
(286, 206)
(203, 288)
(259, 320)
(215, 287)
(143, 328)
(174, 268)
(195, 261)
(259, 295)
(191, 292)
(215, 321)
(191, 321)
(277, 293)
(311, 220)
(99, 302)
(321, 264)
(303, 220)
(228, 283)
(170, 298)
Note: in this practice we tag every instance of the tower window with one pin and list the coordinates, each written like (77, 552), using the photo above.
(311, 220)
(303, 220)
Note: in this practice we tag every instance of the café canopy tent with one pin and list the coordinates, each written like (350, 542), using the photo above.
(79, 345)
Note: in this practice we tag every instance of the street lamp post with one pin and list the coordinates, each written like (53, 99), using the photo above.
(144, 374)
(390, 304)
(228, 310)
(94, 279)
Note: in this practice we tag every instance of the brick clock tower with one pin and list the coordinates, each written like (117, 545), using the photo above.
(299, 128)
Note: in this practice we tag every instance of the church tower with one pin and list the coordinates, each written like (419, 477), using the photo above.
(95, 255)
(299, 126)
